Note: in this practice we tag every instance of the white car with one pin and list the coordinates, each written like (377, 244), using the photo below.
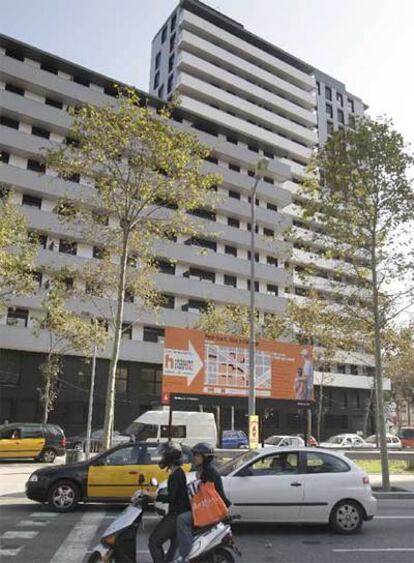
(284, 441)
(340, 441)
(393, 442)
(297, 485)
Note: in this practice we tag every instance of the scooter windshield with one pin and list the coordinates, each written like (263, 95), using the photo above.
(125, 519)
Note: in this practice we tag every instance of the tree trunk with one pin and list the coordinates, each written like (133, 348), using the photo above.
(320, 411)
(368, 410)
(46, 400)
(378, 379)
(110, 393)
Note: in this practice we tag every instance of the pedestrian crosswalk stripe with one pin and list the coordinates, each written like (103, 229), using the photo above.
(76, 544)
(34, 523)
(10, 552)
(14, 535)
(44, 514)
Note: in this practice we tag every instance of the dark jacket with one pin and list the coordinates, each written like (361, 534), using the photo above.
(209, 473)
(178, 499)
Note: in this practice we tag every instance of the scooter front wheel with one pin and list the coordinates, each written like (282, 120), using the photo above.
(221, 555)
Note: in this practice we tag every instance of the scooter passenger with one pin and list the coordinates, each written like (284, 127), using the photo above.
(178, 501)
(203, 457)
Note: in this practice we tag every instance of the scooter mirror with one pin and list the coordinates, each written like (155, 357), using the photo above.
(154, 482)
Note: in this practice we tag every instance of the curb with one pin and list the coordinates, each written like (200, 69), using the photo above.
(393, 495)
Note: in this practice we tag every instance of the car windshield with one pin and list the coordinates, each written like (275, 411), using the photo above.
(273, 440)
(371, 439)
(407, 433)
(142, 431)
(335, 440)
(236, 462)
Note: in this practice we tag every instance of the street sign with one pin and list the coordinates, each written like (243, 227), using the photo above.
(253, 431)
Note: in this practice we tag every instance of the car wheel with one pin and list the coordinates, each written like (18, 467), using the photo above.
(48, 456)
(346, 517)
(63, 496)
(222, 556)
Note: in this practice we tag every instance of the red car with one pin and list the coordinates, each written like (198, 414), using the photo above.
(407, 437)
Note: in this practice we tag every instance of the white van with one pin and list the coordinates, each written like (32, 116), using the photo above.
(188, 428)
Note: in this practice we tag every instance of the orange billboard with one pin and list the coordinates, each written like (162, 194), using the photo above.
(200, 363)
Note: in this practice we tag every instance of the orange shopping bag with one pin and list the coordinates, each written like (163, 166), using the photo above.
(207, 506)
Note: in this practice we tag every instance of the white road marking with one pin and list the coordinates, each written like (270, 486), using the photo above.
(76, 544)
(394, 517)
(373, 549)
(14, 535)
(44, 514)
(28, 523)
(10, 552)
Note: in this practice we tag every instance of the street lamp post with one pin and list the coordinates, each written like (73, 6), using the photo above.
(261, 168)
(91, 393)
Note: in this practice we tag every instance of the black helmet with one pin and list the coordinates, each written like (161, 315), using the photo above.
(171, 454)
(203, 449)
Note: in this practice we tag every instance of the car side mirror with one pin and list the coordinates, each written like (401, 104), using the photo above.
(154, 482)
(98, 462)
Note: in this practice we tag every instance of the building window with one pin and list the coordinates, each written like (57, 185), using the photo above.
(170, 83)
(231, 222)
(48, 68)
(168, 301)
(230, 280)
(126, 331)
(54, 103)
(173, 22)
(171, 62)
(121, 381)
(268, 180)
(15, 54)
(272, 289)
(150, 381)
(340, 99)
(272, 261)
(329, 110)
(161, 91)
(341, 368)
(17, 317)
(36, 166)
(328, 93)
(231, 250)
(271, 206)
(351, 105)
(166, 267)
(233, 194)
(172, 41)
(256, 286)
(4, 157)
(14, 89)
(153, 334)
(268, 232)
(164, 34)
(31, 201)
(201, 275)
(351, 120)
(330, 128)
(99, 252)
(195, 306)
(157, 60)
(256, 256)
(341, 116)
(234, 167)
(10, 367)
(7, 122)
(318, 86)
(157, 80)
(354, 369)
(67, 247)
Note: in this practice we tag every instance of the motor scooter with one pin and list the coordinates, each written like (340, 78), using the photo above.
(213, 544)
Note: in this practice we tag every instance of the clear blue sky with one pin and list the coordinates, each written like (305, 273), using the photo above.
(368, 44)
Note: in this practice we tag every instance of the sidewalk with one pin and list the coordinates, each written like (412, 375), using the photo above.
(402, 486)
(14, 474)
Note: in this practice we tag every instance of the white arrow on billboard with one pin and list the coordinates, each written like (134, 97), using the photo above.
(182, 363)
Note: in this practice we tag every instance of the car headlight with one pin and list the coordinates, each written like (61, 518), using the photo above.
(33, 478)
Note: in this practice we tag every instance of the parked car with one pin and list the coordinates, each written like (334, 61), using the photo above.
(112, 476)
(42, 442)
(296, 485)
(393, 442)
(284, 441)
(234, 439)
(188, 428)
(407, 437)
(312, 441)
(343, 441)
(78, 442)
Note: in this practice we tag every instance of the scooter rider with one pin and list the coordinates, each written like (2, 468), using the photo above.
(178, 501)
(203, 457)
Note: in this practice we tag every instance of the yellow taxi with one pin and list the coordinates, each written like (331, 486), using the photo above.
(112, 476)
(42, 442)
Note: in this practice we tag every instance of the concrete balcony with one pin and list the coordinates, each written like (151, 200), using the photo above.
(347, 381)
(199, 89)
(211, 73)
(245, 128)
(217, 35)
(45, 83)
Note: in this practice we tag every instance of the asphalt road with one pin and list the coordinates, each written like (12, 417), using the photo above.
(29, 532)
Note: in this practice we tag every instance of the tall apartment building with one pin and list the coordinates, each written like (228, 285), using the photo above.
(242, 97)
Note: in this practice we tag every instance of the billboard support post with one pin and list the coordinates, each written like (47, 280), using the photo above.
(170, 418)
